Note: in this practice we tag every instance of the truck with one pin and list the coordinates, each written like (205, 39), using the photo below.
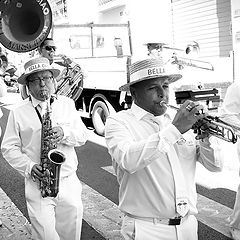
(103, 52)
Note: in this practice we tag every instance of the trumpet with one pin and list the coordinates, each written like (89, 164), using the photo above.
(215, 126)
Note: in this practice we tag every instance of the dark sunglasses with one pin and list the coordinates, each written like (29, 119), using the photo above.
(50, 48)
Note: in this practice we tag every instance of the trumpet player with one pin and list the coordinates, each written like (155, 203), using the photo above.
(155, 157)
(52, 218)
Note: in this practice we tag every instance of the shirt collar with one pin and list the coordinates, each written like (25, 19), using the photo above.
(35, 101)
(141, 113)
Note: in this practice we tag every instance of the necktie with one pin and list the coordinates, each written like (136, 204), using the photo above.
(181, 199)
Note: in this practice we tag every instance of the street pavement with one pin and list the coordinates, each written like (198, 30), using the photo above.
(102, 219)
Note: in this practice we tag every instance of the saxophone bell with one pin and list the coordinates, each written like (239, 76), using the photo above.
(56, 159)
(56, 156)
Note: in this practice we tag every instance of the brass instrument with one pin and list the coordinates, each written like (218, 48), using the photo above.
(70, 81)
(181, 62)
(215, 126)
(156, 49)
(24, 24)
(51, 158)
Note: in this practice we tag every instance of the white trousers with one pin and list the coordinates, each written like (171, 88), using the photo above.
(234, 218)
(143, 230)
(57, 218)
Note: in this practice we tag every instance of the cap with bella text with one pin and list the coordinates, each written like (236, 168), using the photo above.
(37, 65)
(147, 69)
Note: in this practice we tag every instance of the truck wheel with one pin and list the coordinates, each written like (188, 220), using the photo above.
(99, 115)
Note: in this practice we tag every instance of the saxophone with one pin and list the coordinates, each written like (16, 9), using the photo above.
(51, 159)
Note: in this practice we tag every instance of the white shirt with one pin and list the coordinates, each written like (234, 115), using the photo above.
(21, 145)
(230, 109)
(139, 155)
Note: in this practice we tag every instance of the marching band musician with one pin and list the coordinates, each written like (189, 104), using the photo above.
(154, 157)
(66, 65)
(48, 49)
(52, 218)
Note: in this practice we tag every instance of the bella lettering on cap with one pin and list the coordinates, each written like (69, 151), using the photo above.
(37, 66)
(155, 71)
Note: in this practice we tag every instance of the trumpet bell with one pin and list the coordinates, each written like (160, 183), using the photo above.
(24, 24)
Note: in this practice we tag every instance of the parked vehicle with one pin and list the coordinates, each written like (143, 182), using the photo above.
(103, 52)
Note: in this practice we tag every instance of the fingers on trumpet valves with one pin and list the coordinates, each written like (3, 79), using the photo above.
(199, 111)
(194, 107)
(189, 107)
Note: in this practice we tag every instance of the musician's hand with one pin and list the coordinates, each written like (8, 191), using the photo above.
(188, 114)
(36, 172)
(57, 134)
(201, 128)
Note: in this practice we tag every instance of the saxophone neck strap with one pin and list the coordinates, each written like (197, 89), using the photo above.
(36, 109)
(39, 115)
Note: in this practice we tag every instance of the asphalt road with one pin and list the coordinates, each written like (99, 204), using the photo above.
(93, 171)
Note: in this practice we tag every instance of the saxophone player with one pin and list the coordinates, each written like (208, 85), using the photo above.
(52, 218)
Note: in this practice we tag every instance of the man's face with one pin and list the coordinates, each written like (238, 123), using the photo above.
(154, 49)
(48, 50)
(149, 93)
(41, 85)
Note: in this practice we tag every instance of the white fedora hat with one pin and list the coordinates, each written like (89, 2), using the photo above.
(37, 65)
(147, 69)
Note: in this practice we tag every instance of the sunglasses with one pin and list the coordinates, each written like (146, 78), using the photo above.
(50, 48)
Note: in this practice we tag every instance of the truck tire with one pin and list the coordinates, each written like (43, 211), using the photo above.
(100, 113)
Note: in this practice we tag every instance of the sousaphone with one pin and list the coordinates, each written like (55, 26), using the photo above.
(24, 24)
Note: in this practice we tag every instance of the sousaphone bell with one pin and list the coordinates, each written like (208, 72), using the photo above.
(24, 24)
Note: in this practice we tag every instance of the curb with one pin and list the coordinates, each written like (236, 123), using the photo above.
(14, 225)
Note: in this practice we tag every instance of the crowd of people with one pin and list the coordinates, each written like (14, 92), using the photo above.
(154, 152)
(8, 76)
